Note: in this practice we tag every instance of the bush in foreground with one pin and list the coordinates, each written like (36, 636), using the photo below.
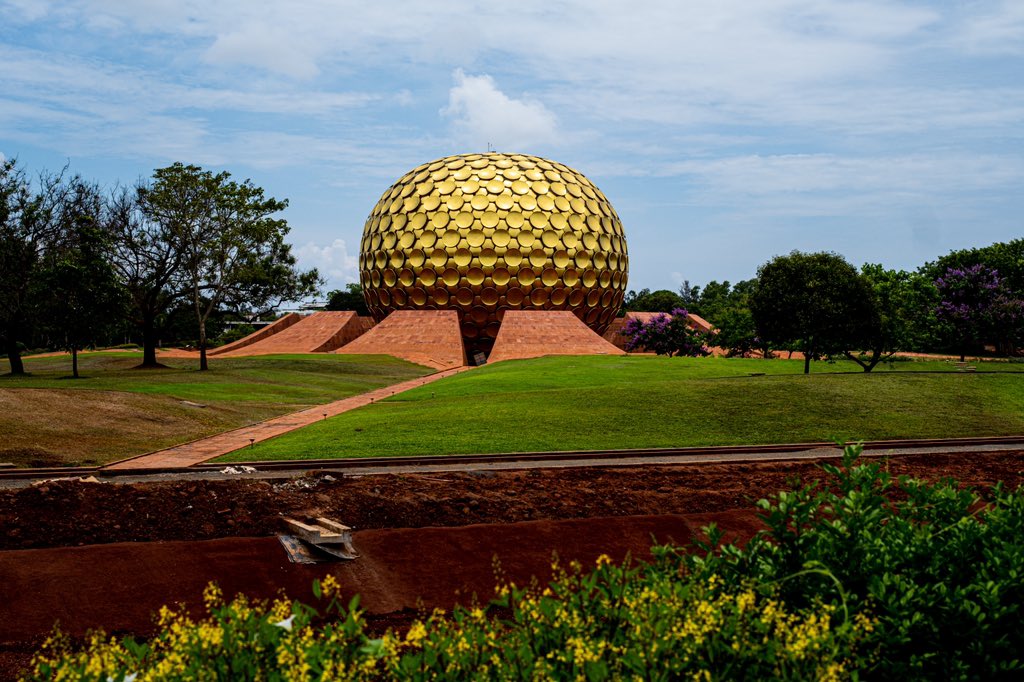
(864, 576)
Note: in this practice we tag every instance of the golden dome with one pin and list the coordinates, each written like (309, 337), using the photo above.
(486, 233)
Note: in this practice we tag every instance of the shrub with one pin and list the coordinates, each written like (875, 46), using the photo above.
(938, 568)
(613, 622)
(666, 335)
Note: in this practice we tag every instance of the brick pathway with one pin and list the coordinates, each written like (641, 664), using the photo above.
(187, 454)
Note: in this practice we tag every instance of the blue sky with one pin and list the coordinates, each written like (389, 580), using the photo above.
(723, 131)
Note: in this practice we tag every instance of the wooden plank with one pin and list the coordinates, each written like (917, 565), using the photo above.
(314, 534)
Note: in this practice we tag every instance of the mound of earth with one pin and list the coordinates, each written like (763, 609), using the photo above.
(70, 513)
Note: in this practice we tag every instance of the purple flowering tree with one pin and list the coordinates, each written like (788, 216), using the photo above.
(667, 334)
(979, 305)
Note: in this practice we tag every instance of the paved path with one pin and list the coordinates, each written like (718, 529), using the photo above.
(205, 449)
(353, 467)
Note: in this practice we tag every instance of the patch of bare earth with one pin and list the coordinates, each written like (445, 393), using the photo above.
(67, 427)
(69, 513)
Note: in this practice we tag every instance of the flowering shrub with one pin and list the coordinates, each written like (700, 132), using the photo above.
(613, 622)
(666, 335)
(873, 577)
(978, 303)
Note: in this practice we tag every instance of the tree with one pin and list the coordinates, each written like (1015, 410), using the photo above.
(978, 304)
(649, 301)
(148, 262)
(349, 298)
(714, 298)
(816, 300)
(232, 249)
(727, 308)
(1005, 257)
(736, 331)
(78, 294)
(26, 230)
(689, 295)
(666, 335)
(904, 302)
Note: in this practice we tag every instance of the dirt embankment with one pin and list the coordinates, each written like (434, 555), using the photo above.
(60, 514)
(398, 567)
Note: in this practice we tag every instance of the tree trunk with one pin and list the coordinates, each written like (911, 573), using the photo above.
(203, 366)
(807, 362)
(149, 343)
(74, 362)
(14, 357)
(876, 357)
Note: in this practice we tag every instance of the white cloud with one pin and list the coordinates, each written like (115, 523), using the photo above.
(746, 176)
(332, 260)
(24, 10)
(267, 47)
(747, 111)
(997, 29)
(481, 113)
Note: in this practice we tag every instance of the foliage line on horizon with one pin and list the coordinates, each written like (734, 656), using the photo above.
(820, 305)
(80, 264)
(176, 256)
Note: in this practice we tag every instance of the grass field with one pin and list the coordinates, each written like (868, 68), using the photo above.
(570, 403)
(116, 411)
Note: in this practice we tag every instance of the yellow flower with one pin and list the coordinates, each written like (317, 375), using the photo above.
(329, 586)
(863, 623)
(417, 632)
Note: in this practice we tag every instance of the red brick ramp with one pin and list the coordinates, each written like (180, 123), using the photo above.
(426, 337)
(534, 333)
(320, 332)
(118, 587)
(258, 335)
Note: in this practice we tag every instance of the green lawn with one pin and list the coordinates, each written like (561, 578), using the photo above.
(115, 411)
(287, 379)
(570, 403)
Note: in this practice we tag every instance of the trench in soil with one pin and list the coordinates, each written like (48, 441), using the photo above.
(109, 555)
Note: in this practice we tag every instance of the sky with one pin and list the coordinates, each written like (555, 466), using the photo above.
(724, 132)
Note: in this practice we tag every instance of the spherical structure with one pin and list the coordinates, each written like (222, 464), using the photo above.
(486, 233)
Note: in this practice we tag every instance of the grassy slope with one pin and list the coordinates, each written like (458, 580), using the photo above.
(117, 411)
(562, 403)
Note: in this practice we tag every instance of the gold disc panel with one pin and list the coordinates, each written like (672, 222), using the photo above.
(486, 233)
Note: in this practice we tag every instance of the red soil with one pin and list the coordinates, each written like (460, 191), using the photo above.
(58, 514)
